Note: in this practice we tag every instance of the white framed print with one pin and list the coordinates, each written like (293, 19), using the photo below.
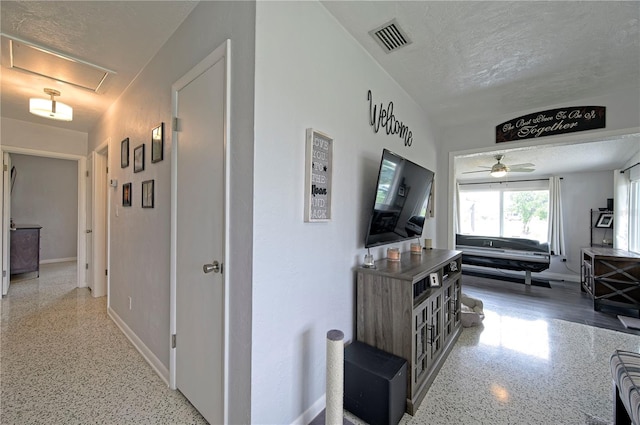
(317, 179)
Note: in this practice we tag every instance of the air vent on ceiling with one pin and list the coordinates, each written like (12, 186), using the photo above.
(390, 36)
(58, 66)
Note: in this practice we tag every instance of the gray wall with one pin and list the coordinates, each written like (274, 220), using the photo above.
(580, 193)
(140, 239)
(46, 193)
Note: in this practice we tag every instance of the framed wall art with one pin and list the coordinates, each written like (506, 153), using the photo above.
(138, 159)
(157, 143)
(147, 194)
(605, 220)
(124, 153)
(126, 195)
(318, 171)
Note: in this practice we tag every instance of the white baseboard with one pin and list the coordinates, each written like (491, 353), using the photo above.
(58, 260)
(311, 412)
(153, 361)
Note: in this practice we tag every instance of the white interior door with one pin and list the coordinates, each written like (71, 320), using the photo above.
(89, 230)
(99, 228)
(6, 222)
(199, 207)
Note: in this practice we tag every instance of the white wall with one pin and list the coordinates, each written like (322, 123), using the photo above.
(46, 193)
(311, 74)
(581, 192)
(25, 135)
(140, 239)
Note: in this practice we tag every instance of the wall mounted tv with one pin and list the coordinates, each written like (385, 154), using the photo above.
(400, 201)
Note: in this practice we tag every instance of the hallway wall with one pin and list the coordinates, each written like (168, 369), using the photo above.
(140, 238)
(46, 193)
(40, 137)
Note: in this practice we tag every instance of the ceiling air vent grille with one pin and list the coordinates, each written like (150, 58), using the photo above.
(390, 36)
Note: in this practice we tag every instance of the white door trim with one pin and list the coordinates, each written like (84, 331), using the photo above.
(6, 223)
(98, 220)
(82, 216)
(223, 51)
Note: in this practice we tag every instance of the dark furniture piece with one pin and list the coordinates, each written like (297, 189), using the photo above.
(611, 277)
(625, 372)
(399, 311)
(518, 254)
(375, 384)
(25, 249)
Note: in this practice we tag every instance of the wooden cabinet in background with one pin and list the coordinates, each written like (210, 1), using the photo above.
(400, 312)
(25, 249)
(611, 277)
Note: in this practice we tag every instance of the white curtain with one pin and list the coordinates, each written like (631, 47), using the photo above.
(456, 209)
(621, 210)
(556, 228)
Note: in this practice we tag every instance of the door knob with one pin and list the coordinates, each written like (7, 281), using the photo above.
(214, 267)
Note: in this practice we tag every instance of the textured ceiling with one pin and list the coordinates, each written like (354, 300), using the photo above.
(480, 59)
(119, 35)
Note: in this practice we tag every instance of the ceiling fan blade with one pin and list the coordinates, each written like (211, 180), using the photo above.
(524, 165)
(521, 170)
(471, 172)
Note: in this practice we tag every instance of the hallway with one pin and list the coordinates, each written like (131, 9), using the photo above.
(64, 361)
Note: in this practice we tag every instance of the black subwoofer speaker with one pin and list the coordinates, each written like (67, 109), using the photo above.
(375, 384)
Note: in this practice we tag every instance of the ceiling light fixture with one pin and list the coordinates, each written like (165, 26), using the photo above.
(49, 108)
(499, 169)
(498, 174)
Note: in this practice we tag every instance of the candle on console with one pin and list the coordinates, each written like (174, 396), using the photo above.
(393, 254)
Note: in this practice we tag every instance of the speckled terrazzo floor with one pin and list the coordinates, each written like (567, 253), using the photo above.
(63, 361)
(518, 370)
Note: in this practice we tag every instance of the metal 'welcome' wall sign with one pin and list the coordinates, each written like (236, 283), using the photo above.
(319, 165)
(385, 117)
(553, 121)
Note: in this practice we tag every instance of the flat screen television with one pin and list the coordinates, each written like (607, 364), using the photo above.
(400, 201)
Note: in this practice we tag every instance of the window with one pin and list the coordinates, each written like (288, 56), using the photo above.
(634, 216)
(514, 210)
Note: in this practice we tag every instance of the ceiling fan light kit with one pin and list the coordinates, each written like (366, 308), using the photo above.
(499, 169)
(50, 108)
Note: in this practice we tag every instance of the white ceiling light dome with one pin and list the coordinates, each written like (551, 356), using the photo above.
(50, 108)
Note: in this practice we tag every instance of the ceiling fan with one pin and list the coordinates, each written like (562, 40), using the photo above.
(500, 170)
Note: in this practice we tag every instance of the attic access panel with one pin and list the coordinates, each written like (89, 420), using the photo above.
(41, 61)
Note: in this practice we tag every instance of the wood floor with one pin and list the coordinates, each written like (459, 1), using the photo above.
(564, 301)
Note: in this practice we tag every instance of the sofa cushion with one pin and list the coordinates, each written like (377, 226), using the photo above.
(625, 370)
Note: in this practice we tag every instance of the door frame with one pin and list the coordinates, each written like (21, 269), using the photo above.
(6, 223)
(99, 220)
(82, 216)
(222, 52)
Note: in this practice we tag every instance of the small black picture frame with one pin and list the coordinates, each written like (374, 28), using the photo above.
(147, 193)
(126, 195)
(124, 153)
(605, 221)
(138, 159)
(157, 143)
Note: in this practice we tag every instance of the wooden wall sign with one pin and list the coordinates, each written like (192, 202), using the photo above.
(317, 187)
(553, 121)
